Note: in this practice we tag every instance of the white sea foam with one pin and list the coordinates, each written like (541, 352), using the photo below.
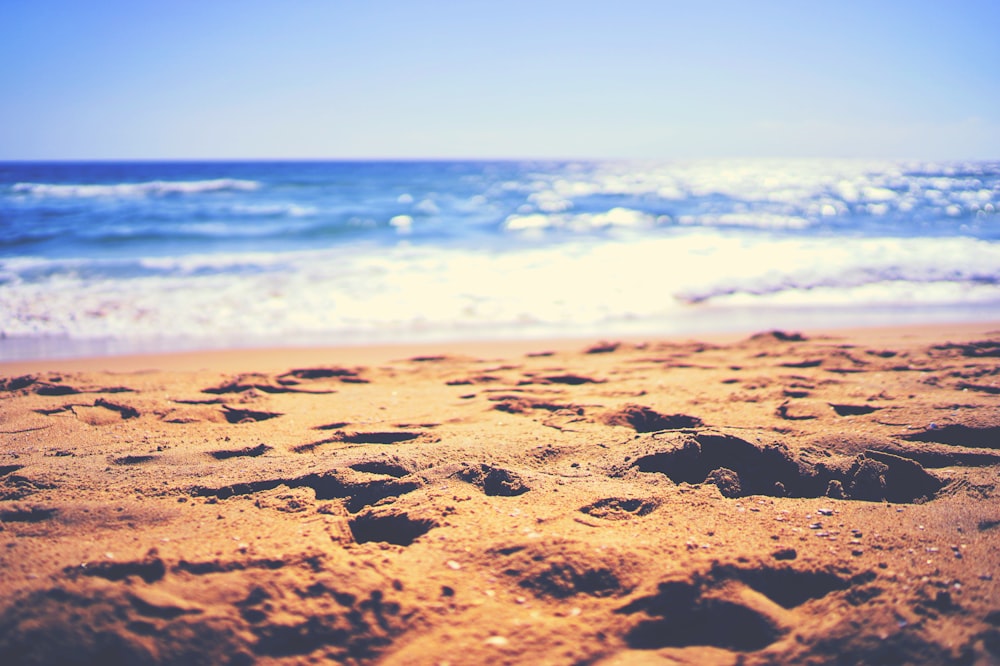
(765, 268)
(408, 290)
(232, 263)
(617, 217)
(402, 223)
(792, 188)
(123, 190)
(428, 207)
(897, 294)
(757, 220)
(270, 210)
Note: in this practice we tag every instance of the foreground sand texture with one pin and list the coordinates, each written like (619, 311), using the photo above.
(777, 499)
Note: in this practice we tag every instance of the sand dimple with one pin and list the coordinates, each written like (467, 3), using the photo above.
(53, 385)
(17, 487)
(678, 616)
(393, 527)
(569, 378)
(524, 404)
(646, 419)
(563, 569)
(133, 459)
(265, 384)
(240, 415)
(27, 514)
(245, 452)
(377, 437)
(619, 508)
(150, 570)
(736, 609)
(389, 468)
(958, 434)
(740, 468)
(853, 410)
(357, 490)
(99, 413)
(494, 481)
(386, 437)
(343, 374)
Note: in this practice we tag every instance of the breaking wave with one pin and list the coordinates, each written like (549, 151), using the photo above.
(124, 190)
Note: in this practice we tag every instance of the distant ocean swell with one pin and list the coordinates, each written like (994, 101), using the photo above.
(153, 188)
(163, 256)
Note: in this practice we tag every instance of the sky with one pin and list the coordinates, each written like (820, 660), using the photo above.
(374, 79)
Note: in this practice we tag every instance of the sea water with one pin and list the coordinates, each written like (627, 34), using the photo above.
(130, 257)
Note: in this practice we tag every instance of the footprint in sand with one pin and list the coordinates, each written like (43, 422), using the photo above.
(358, 490)
(957, 434)
(378, 437)
(245, 452)
(524, 404)
(150, 570)
(389, 526)
(133, 460)
(345, 375)
(619, 508)
(101, 412)
(645, 419)
(853, 410)
(52, 386)
(730, 608)
(18, 487)
(238, 415)
(494, 481)
(569, 379)
(286, 383)
(739, 468)
(395, 469)
(564, 568)
(27, 514)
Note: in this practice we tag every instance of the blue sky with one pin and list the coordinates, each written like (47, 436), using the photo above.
(156, 79)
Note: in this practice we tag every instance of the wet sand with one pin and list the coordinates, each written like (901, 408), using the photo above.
(814, 497)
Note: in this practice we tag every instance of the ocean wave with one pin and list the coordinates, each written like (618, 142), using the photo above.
(125, 190)
(781, 194)
(754, 220)
(625, 218)
(376, 290)
(554, 249)
(764, 268)
(274, 210)
(145, 237)
(582, 222)
(888, 294)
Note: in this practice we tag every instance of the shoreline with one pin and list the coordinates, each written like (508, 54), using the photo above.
(274, 357)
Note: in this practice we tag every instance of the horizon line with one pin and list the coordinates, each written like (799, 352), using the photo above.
(440, 159)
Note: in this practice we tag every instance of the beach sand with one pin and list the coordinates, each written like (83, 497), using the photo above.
(829, 497)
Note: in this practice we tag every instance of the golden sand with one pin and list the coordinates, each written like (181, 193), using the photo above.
(780, 498)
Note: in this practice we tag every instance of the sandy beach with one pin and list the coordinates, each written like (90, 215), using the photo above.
(783, 497)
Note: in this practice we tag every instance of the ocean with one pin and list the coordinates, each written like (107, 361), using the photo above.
(110, 258)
